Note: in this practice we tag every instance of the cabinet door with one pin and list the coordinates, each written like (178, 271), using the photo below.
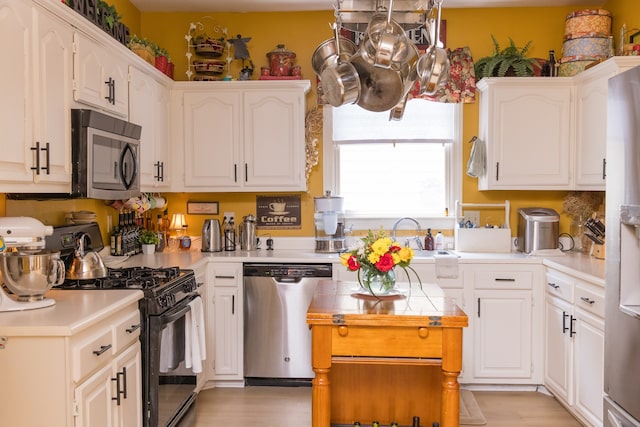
(101, 77)
(274, 140)
(128, 368)
(502, 334)
(591, 133)
(589, 366)
(149, 108)
(559, 351)
(16, 85)
(212, 138)
(228, 333)
(527, 128)
(54, 77)
(93, 400)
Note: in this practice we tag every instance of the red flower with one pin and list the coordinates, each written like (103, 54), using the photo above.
(385, 263)
(354, 265)
(394, 248)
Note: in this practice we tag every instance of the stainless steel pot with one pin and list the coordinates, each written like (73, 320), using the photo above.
(385, 44)
(433, 67)
(341, 84)
(30, 275)
(380, 88)
(329, 54)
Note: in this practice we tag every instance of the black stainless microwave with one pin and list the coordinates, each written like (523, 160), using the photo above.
(105, 158)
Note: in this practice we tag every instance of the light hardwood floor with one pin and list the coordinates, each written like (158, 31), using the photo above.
(291, 407)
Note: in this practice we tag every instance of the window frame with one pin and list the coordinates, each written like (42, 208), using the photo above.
(453, 156)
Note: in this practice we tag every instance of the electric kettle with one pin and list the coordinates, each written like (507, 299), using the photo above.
(248, 239)
(211, 236)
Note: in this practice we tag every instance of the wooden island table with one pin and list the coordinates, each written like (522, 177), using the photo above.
(386, 359)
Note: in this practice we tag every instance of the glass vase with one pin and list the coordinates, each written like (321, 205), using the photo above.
(581, 243)
(377, 283)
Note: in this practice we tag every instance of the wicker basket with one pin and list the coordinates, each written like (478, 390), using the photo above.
(144, 52)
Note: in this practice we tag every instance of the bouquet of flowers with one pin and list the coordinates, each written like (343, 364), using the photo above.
(375, 261)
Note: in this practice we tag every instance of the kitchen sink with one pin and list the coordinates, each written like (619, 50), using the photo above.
(424, 254)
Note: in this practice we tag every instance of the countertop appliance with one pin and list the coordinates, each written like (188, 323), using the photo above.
(277, 340)
(211, 236)
(329, 222)
(105, 154)
(27, 270)
(537, 229)
(622, 294)
(168, 387)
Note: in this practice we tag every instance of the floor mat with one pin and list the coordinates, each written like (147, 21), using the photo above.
(470, 413)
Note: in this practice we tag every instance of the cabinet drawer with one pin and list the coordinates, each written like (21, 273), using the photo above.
(91, 353)
(386, 341)
(226, 275)
(560, 286)
(589, 299)
(503, 279)
(126, 330)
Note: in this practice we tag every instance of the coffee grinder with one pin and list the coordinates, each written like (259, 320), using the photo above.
(329, 223)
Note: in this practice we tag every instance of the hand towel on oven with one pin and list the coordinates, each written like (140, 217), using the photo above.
(446, 265)
(195, 349)
(172, 345)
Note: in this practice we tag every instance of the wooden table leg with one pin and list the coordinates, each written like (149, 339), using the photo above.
(321, 361)
(451, 367)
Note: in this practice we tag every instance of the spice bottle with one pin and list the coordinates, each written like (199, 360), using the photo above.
(416, 421)
(428, 241)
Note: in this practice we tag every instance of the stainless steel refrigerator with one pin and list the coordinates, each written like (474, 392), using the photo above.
(622, 315)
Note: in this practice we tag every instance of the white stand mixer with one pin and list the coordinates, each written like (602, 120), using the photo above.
(27, 271)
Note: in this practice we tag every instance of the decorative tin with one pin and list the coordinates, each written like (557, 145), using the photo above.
(590, 44)
(588, 21)
(281, 61)
(572, 65)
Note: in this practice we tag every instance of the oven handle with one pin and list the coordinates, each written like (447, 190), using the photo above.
(178, 311)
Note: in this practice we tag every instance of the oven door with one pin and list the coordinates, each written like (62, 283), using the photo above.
(170, 386)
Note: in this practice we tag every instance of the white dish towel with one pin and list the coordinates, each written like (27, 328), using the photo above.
(446, 265)
(194, 337)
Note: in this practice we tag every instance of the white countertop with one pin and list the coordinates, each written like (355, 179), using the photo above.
(73, 311)
(579, 264)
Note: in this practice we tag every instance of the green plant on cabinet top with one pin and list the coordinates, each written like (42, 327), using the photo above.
(511, 60)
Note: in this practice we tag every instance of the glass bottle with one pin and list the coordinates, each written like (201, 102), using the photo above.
(416, 421)
(439, 241)
(553, 69)
(428, 241)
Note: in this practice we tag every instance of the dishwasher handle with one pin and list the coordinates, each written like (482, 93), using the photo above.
(288, 279)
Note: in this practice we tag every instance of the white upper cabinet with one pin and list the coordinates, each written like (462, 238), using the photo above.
(591, 121)
(35, 102)
(242, 136)
(149, 105)
(101, 76)
(526, 123)
(547, 133)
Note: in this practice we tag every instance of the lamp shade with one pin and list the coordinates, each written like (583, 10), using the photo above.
(177, 221)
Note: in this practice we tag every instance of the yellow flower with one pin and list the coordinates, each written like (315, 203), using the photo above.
(381, 246)
(373, 257)
(344, 258)
(405, 254)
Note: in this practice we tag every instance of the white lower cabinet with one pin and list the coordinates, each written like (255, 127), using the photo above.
(506, 322)
(113, 395)
(575, 344)
(224, 283)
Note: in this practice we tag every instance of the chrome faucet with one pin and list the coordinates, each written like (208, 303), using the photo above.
(416, 238)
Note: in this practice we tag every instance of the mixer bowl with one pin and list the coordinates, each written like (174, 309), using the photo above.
(30, 275)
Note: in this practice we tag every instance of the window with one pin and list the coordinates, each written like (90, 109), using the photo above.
(386, 170)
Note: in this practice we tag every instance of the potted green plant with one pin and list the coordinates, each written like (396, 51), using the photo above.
(143, 48)
(149, 239)
(510, 61)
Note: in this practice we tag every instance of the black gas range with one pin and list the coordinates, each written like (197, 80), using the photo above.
(163, 287)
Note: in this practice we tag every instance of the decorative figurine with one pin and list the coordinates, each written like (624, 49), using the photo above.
(241, 52)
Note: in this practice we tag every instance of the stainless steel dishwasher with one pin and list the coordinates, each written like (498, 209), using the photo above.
(277, 340)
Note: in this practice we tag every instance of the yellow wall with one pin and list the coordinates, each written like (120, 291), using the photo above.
(301, 33)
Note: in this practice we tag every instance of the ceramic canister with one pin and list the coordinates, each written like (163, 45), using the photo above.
(588, 21)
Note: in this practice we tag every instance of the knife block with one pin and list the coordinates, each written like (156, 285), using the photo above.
(599, 251)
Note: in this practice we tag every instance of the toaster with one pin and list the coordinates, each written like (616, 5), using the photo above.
(537, 229)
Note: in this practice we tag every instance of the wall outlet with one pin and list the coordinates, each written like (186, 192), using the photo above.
(473, 216)
(230, 215)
